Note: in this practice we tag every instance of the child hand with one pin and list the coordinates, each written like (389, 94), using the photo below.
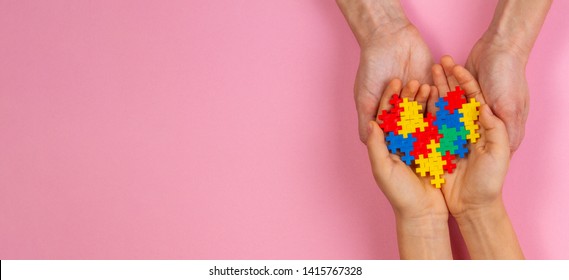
(473, 192)
(477, 181)
(420, 210)
(409, 194)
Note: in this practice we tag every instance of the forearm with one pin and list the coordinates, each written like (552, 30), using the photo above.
(423, 238)
(517, 23)
(489, 234)
(370, 17)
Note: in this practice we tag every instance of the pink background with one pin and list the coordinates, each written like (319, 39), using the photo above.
(227, 130)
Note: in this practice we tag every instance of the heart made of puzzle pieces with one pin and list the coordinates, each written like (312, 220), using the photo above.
(431, 143)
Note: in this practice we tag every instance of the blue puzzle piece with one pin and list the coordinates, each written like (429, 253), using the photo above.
(407, 148)
(404, 145)
(461, 150)
(408, 159)
(442, 116)
(395, 142)
(453, 120)
(450, 120)
(441, 104)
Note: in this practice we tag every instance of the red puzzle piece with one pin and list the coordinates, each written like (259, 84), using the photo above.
(450, 166)
(395, 101)
(455, 99)
(432, 130)
(389, 122)
(420, 146)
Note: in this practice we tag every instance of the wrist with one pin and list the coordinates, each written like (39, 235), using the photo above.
(423, 238)
(428, 226)
(371, 19)
(488, 233)
(508, 43)
(484, 214)
(516, 24)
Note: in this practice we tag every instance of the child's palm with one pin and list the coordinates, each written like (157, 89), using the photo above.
(407, 191)
(478, 178)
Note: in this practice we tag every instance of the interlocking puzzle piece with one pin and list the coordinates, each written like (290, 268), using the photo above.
(395, 100)
(455, 100)
(422, 165)
(429, 119)
(470, 112)
(388, 121)
(407, 158)
(432, 147)
(411, 110)
(436, 164)
(462, 132)
(447, 146)
(420, 146)
(453, 120)
(411, 118)
(410, 126)
(407, 148)
(432, 142)
(432, 132)
(473, 135)
(438, 181)
(447, 142)
(441, 104)
(461, 147)
(449, 166)
(443, 117)
(394, 142)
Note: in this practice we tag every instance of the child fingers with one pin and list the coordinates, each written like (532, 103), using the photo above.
(448, 64)
(394, 87)
(433, 98)
(377, 149)
(410, 90)
(367, 110)
(468, 83)
(495, 133)
(440, 79)
(422, 96)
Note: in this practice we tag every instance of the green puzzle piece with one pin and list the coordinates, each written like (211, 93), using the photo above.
(450, 135)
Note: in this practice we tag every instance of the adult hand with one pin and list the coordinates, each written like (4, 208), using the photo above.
(498, 61)
(390, 47)
(500, 70)
(400, 53)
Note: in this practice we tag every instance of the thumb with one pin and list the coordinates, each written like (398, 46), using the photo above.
(376, 147)
(495, 133)
(367, 111)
